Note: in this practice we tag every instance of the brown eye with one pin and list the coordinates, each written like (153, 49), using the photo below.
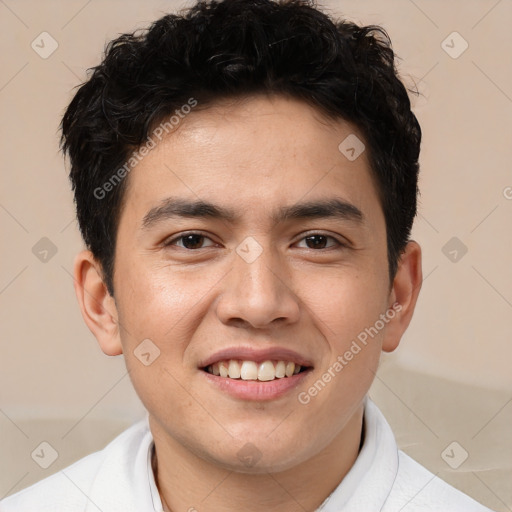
(319, 241)
(189, 241)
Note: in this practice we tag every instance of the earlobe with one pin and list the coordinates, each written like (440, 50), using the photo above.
(96, 304)
(404, 294)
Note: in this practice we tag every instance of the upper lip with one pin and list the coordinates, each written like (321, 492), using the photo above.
(256, 355)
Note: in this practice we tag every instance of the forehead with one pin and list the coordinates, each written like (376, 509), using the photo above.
(254, 155)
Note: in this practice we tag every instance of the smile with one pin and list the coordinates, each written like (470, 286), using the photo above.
(251, 370)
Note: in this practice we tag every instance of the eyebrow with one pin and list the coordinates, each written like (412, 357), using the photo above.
(173, 207)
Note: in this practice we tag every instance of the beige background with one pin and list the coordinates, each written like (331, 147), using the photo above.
(449, 381)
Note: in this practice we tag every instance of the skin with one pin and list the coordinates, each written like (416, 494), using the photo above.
(254, 156)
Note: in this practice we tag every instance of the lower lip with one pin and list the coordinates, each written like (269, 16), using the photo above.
(255, 389)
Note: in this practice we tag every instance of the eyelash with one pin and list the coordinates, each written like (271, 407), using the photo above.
(170, 242)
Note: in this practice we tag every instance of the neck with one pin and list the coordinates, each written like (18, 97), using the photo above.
(189, 483)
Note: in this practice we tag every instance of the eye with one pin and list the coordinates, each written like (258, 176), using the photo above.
(318, 241)
(189, 241)
(194, 240)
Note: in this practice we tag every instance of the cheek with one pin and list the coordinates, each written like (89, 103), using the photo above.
(346, 317)
(346, 303)
(159, 301)
(162, 305)
(354, 337)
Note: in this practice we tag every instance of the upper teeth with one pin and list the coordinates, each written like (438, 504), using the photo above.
(249, 370)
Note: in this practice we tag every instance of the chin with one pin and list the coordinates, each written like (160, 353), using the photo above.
(258, 462)
(261, 454)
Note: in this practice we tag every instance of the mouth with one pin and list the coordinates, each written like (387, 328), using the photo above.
(246, 373)
(247, 370)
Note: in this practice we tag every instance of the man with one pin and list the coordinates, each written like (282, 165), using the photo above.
(245, 176)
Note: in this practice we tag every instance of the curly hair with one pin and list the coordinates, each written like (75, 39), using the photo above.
(221, 49)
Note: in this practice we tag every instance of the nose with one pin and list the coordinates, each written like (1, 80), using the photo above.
(258, 293)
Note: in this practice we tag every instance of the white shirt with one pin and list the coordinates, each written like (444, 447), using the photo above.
(119, 478)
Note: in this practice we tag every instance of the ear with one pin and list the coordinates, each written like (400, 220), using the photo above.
(404, 294)
(97, 305)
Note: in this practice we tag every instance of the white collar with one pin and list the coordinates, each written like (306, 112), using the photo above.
(368, 483)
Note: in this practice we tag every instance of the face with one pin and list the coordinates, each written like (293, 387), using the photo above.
(256, 281)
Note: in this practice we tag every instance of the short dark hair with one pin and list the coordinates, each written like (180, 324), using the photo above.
(222, 49)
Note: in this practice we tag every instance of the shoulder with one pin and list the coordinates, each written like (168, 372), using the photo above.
(71, 487)
(416, 489)
(64, 490)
